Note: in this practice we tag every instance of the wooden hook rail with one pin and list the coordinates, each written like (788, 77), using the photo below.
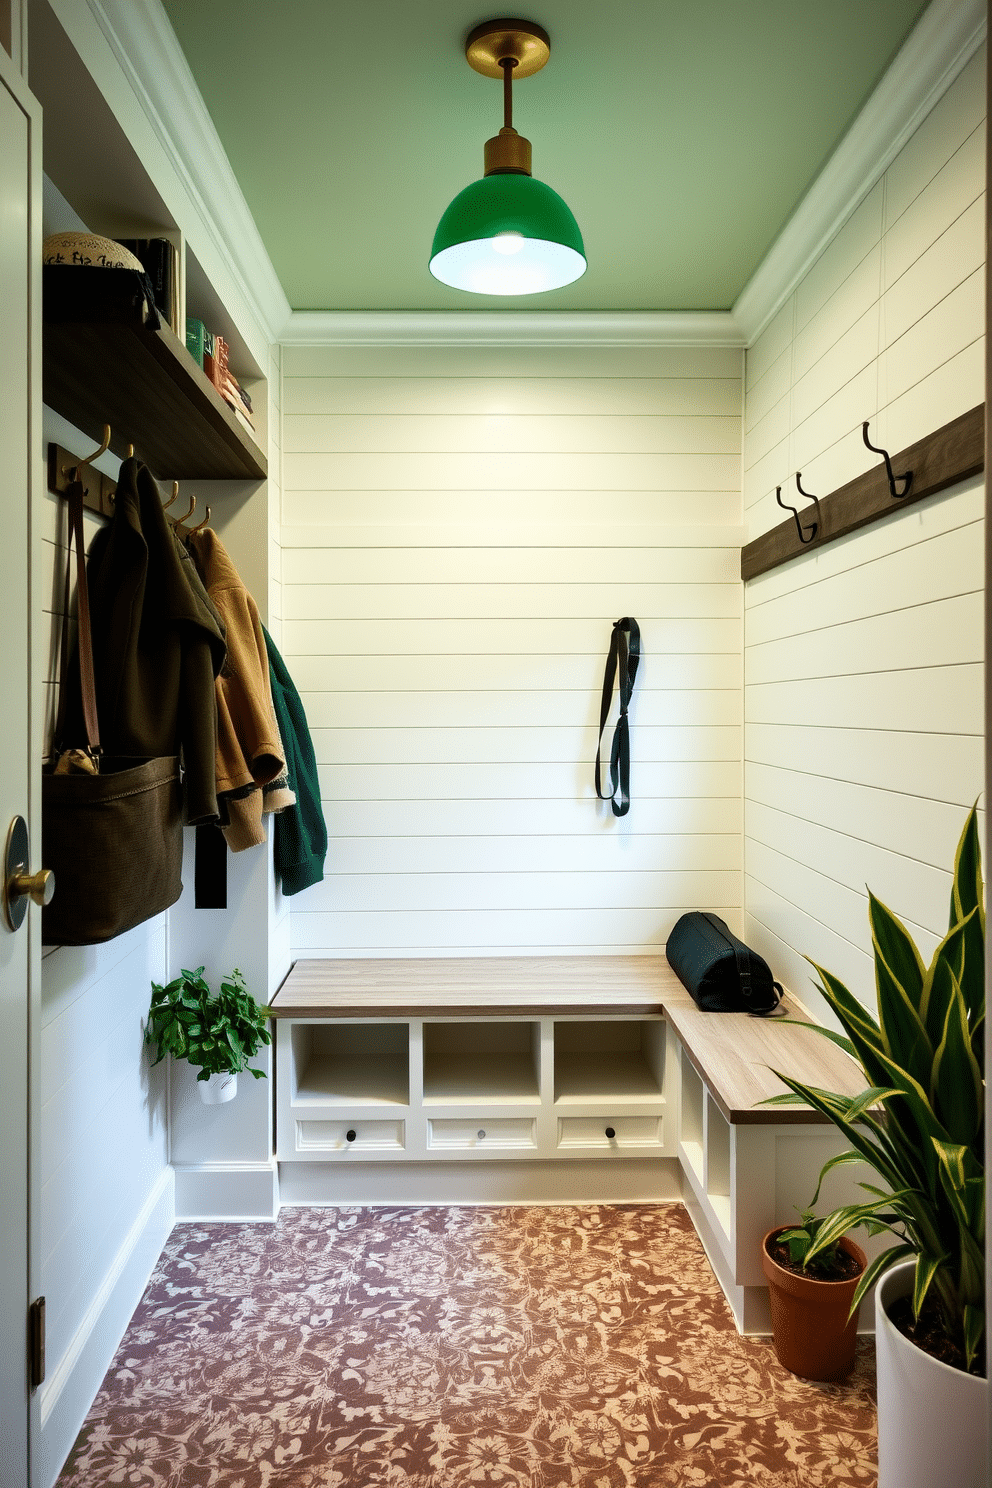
(98, 489)
(938, 460)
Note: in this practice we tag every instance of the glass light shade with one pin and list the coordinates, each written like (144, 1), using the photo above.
(507, 235)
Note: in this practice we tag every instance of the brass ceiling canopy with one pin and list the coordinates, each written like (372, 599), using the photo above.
(524, 43)
(508, 49)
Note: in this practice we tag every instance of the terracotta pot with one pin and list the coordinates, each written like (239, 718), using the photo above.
(810, 1327)
(932, 1419)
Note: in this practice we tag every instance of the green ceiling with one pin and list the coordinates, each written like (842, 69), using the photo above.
(682, 133)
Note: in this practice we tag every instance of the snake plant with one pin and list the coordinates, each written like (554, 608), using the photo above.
(920, 1122)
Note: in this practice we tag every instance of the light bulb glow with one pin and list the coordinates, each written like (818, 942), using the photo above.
(481, 268)
(508, 242)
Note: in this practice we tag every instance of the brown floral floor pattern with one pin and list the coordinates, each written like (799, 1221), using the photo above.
(459, 1348)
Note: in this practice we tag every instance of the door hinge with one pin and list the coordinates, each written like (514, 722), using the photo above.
(36, 1341)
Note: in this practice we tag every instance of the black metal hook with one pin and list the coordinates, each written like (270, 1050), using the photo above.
(814, 528)
(908, 477)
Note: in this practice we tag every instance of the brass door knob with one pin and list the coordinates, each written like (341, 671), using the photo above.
(20, 886)
(38, 887)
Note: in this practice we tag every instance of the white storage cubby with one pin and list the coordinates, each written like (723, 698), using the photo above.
(474, 1087)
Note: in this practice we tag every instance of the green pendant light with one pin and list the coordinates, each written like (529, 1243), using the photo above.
(507, 234)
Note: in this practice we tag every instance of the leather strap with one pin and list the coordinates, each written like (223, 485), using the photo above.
(742, 956)
(87, 680)
(625, 652)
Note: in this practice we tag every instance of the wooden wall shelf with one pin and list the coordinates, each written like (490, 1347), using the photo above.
(951, 454)
(147, 387)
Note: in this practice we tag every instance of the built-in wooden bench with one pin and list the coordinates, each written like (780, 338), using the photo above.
(414, 1073)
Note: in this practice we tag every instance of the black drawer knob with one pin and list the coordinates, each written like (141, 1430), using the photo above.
(610, 1132)
(350, 1134)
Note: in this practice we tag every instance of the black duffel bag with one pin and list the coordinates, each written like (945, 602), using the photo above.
(721, 973)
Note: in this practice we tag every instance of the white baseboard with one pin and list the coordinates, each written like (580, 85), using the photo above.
(69, 1391)
(233, 1192)
(648, 1180)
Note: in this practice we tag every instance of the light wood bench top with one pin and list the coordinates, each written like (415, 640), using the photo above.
(733, 1053)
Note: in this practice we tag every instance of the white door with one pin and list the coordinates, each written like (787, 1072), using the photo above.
(20, 951)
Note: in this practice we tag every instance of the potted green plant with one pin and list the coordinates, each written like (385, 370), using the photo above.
(810, 1293)
(216, 1032)
(919, 1125)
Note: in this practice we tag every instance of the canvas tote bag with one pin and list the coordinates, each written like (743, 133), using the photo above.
(111, 827)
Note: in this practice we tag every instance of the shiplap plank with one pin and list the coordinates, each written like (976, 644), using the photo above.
(773, 341)
(510, 565)
(840, 259)
(955, 255)
(668, 820)
(532, 782)
(913, 890)
(951, 121)
(703, 474)
(611, 888)
(487, 601)
(940, 767)
(956, 384)
(436, 931)
(570, 854)
(501, 636)
(943, 700)
(941, 202)
(501, 521)
(413, 708)
(494, 434)
(535, 672)
(430, 362)
(910, 825)
(649, 744)
(943, 633)
(853, 298)
(813, 893)
(775, 385)
(854, 350)
(532, 396)
(953, 323)
(536, 519)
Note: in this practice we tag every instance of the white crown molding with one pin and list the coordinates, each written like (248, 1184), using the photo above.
(940, 45)
(511, 328)
(146, 49)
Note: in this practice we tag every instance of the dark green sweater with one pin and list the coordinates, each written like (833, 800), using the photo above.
(301, 833)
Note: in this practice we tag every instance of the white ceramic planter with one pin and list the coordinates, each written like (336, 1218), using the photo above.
(218, 1089)
(932, 1420)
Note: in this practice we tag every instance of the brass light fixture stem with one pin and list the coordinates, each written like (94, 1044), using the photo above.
(508, 64)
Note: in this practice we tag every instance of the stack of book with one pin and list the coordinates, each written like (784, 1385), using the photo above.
(210, 351)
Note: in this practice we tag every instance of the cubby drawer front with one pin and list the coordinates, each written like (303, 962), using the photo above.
(587, 1133)
(503, 1134)
(333, 1136)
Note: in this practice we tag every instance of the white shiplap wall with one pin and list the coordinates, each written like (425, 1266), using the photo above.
(461, 526)
(864, 663)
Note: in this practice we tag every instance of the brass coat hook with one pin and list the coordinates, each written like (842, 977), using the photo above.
(173, 497)
(105, 445)
(908, 477)
(192, 509)
(204, 523)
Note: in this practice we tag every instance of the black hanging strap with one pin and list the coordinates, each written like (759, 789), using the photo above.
(625, 651)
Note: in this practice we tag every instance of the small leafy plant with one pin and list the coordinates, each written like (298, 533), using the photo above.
(218, 1033)
(823, 1261)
